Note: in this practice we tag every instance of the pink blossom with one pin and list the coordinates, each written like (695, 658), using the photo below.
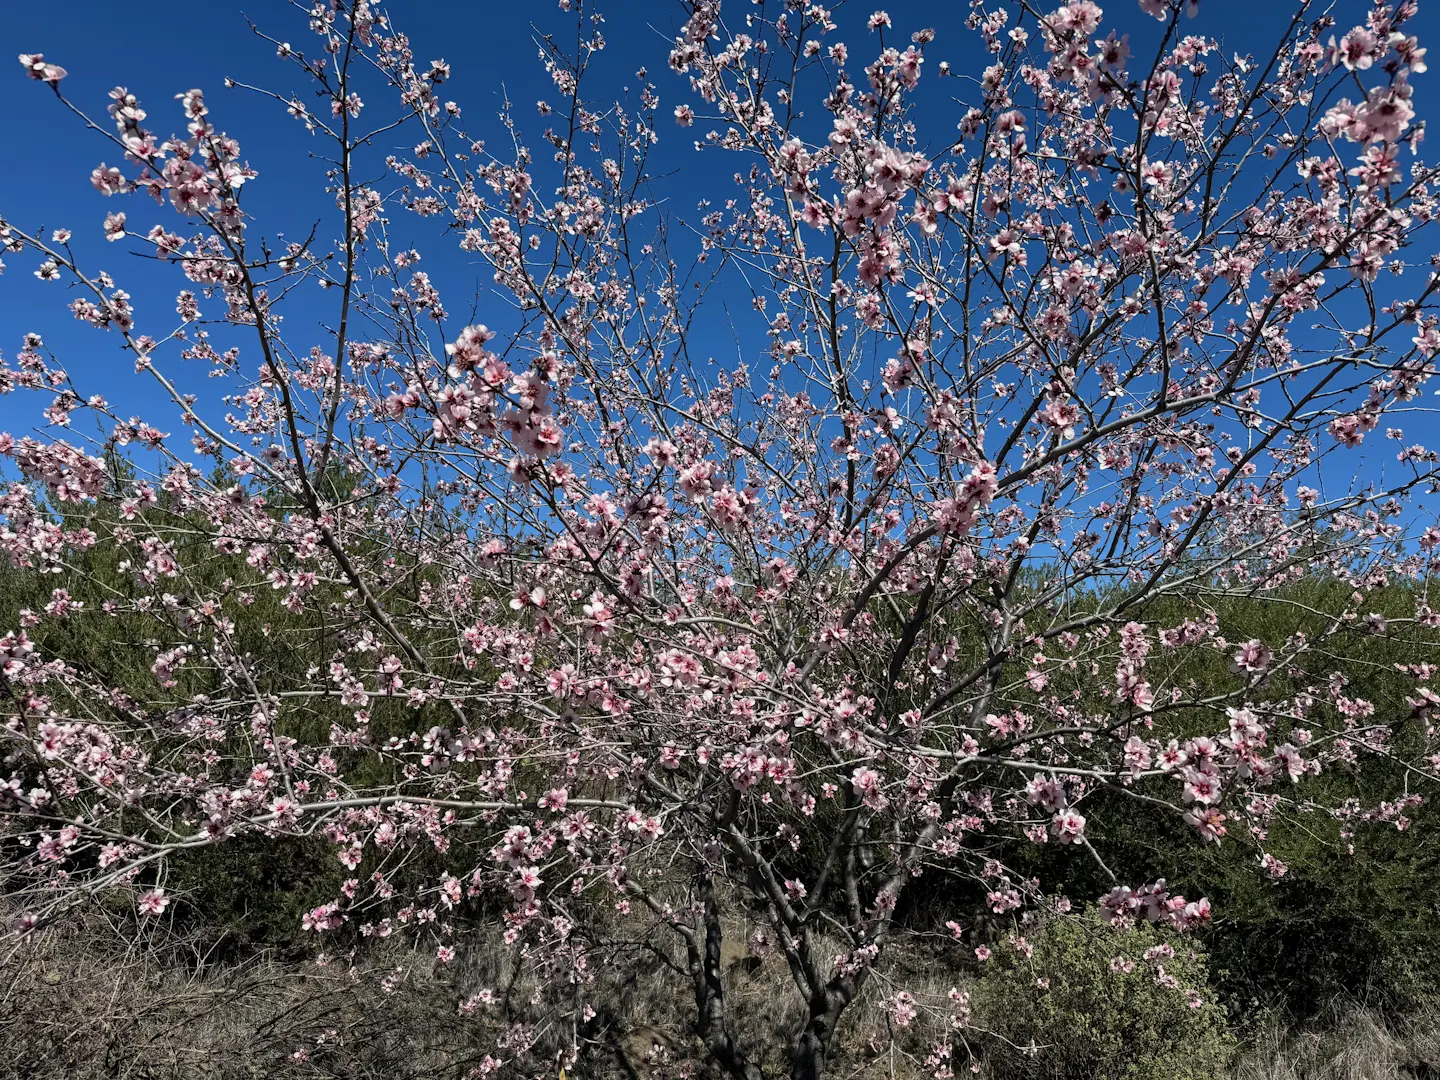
(1253, 656)
(1068, 827)
(1356, 50)
(35, 66)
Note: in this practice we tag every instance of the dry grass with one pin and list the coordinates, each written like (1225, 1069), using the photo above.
(1348, 1042)
(646, 1027)
(83, 1003)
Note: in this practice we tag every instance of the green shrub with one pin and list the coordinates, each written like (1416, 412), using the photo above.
(1093, 1002)
(251, 891)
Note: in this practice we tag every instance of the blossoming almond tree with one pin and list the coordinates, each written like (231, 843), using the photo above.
(645, 646)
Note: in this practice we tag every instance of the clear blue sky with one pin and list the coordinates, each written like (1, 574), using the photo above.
(160, 48)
